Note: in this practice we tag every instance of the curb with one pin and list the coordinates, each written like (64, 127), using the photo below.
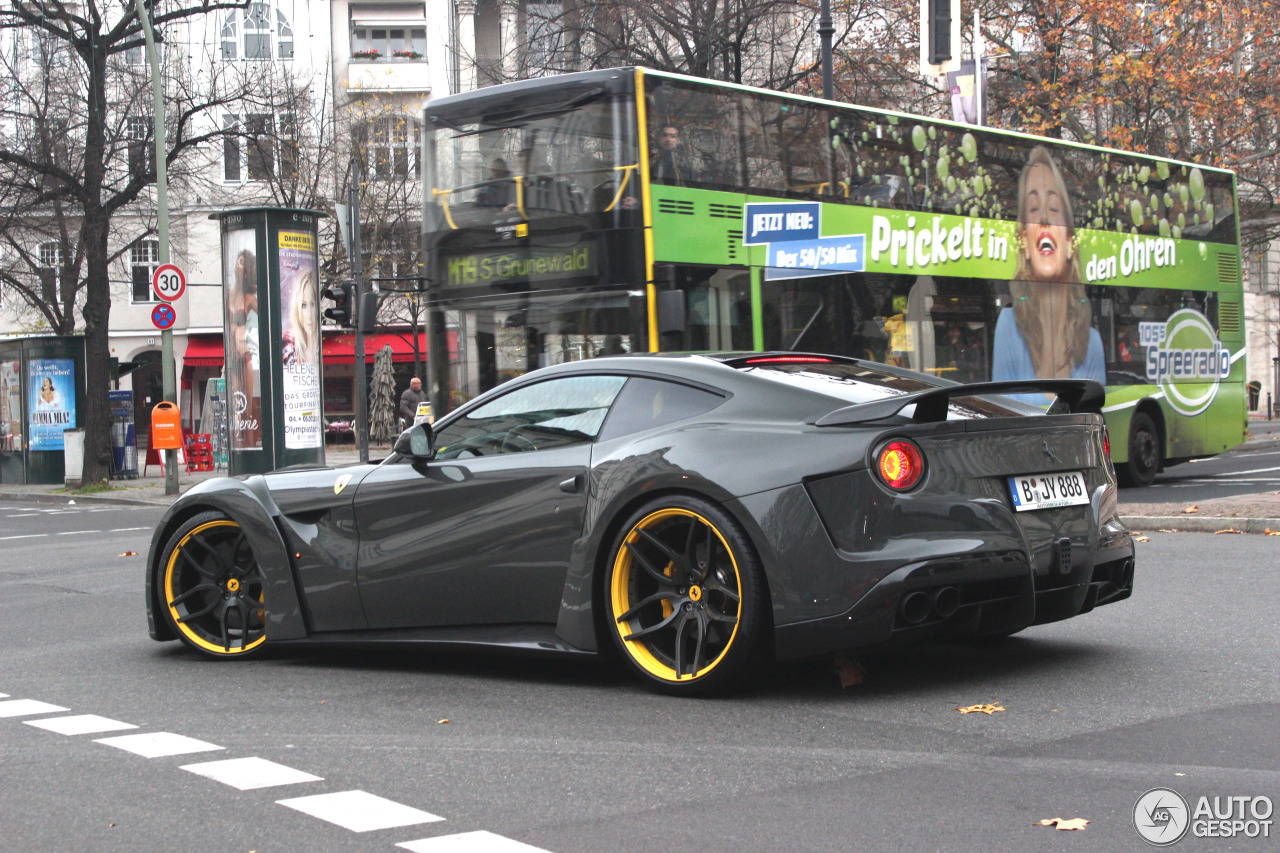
(1198, 524)
(1251, 446)
(96, 500)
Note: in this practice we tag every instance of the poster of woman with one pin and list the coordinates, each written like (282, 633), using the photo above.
(243, 366)
(300, 340)
(1048, 332)
(51, 401)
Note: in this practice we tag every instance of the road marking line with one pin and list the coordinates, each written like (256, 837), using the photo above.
(1228, 482)
(25, 515)
(24, 707)
(77, 532)
(248, 774)
(158, 744)
(469, 842)
(359, 811)
(23, 536)
(1254, 471)
(82, 724)
(125, 529)
(4, 695)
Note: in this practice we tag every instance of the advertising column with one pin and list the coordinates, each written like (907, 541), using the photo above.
(272, 339)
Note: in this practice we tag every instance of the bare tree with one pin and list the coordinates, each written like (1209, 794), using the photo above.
(75, 169)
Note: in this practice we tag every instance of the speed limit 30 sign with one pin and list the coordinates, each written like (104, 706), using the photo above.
(169, 282)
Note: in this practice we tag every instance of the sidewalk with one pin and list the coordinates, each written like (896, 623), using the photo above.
(1256, 513)
(148, 490)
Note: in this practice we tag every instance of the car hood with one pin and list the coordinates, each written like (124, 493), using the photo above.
(314, 488)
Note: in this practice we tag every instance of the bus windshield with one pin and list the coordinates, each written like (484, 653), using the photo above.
(531, 160)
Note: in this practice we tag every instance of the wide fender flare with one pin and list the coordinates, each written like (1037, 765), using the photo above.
(249, 504)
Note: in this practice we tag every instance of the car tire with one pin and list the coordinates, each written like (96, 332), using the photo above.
(1144, 452)
(210, 588)
(685, 597)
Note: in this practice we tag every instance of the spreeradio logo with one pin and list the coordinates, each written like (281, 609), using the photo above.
(1186, 359)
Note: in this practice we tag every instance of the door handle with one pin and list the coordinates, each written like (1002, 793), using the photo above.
(572, 485)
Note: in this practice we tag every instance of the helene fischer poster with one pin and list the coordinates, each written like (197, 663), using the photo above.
(51, 401)
(300, 340)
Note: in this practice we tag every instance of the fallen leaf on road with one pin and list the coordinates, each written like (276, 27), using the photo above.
(1166, 530)
(442, 722)
(1073, 823)
(1270, 532)
(989, 708)
(849, 671)
(1227, 530)
(129, 554)
(1192, 509)
(1142, 539)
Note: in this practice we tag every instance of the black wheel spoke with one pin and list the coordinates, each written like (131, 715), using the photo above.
(680, 647)
(204, 587)
(213, 552)
(635, 635)
(212, 607)
(691, 548)
(716, 586)
(198, 565)
(662, 546)
(701, 621)
(657, 596)
(648, 566)
(226, 628)
(716, 616)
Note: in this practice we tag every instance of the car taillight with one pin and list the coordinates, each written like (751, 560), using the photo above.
(788, 359)
(901, 465)
(1106, 442)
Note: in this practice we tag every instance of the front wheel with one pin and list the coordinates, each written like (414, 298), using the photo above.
(1144, 452)
(212, 589)
(685, 597)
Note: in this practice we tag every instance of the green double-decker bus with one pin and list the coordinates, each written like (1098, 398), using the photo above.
(629, 210)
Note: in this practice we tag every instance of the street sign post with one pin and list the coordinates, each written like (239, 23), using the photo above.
(169, 282)
(163, 317)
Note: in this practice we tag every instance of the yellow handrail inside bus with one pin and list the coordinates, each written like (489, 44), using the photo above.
(622, 187)
(519, 179)
(448, 217)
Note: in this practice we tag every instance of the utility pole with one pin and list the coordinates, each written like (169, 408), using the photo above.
(825, 30)
(167, 379)
(357, 275)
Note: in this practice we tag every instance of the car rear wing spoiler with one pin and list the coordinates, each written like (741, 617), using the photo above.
(1075, 396)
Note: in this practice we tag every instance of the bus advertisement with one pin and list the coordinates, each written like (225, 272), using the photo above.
(630, 210)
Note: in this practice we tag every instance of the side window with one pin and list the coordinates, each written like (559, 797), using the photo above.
(556, 413)
(648, 403)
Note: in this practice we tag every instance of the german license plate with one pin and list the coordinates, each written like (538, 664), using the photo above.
(1046, 491)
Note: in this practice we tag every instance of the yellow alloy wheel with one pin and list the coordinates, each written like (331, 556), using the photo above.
(213, 588)
(676, 595)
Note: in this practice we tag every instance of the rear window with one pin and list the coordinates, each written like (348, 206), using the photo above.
(864, 383)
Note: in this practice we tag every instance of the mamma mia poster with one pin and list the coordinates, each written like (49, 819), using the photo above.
(51, 401)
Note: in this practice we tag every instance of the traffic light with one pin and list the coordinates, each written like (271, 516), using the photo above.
(342, 296)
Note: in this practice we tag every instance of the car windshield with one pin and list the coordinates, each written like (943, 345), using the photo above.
(864, 383)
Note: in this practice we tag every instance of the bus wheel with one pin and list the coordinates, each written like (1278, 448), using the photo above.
(1144, 452)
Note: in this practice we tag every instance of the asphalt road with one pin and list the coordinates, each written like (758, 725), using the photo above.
(1175, 687)
(1240, 472)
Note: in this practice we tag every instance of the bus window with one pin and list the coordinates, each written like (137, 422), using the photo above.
(717, 309)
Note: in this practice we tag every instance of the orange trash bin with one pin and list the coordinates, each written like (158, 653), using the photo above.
(166, 427)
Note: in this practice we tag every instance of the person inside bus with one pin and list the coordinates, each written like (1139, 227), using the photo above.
(500, 190)
(671, 163)
(1048, 332)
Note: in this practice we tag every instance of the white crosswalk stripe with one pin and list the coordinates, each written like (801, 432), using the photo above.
(469, 842)
(81, 724)
(248, 774)
(359, 811)
(158, 744)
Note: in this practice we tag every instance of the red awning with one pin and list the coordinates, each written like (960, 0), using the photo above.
(341, 349)
(203, 351)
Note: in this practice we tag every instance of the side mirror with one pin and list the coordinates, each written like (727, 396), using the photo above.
(417, 442)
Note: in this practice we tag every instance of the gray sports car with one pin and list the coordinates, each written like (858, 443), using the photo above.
(700, 514)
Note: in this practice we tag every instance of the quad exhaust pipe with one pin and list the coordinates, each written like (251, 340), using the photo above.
(918, 606)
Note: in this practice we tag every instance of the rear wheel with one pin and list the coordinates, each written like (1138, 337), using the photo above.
(212, 589)
(685, 597)
(1144, 452)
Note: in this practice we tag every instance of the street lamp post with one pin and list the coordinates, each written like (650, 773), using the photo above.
(825, 30)
(167, 379)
